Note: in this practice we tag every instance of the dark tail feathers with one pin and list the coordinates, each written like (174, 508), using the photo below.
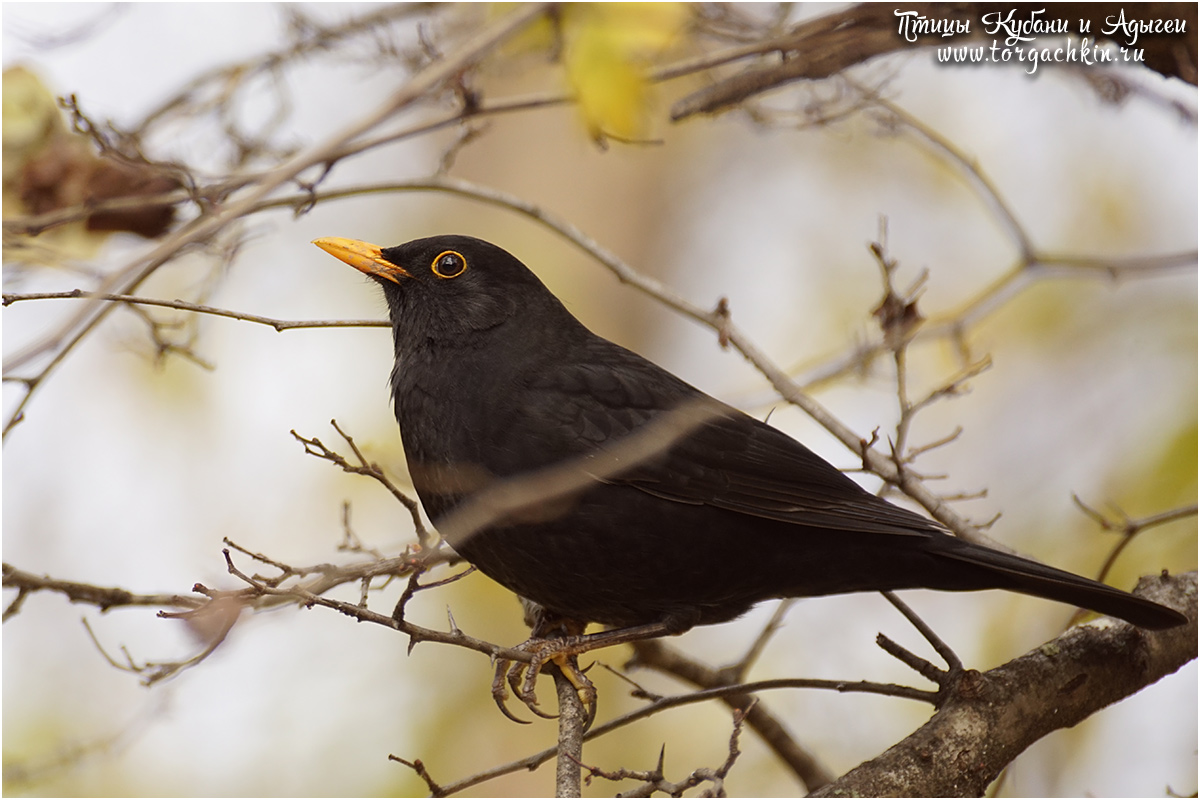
(1029, 577)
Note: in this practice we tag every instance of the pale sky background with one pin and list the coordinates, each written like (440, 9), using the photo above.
(129, 475)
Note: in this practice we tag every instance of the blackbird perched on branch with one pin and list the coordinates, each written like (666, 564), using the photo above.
(605, 489)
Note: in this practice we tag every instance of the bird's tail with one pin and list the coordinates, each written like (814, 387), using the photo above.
(1018, 574)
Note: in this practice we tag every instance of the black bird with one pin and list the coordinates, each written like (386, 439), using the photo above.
(494, 379)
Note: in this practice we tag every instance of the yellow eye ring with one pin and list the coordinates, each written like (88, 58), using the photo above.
(449, 264)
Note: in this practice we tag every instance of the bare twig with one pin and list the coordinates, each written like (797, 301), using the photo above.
(1129, 528)
(363, 467)
(298, 593)
(737, 671)
(948, 655)
(655, 780)
(224, 613)
(416, 766)
(103, 597)
(183, 305)
(659, 655)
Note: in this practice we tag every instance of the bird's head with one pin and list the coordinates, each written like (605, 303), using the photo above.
(444, 287)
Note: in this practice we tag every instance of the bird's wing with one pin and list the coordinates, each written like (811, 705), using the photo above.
(740, 464)
(729, 460)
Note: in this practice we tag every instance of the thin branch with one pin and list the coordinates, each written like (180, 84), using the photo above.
(418, 767)
(183, 305)
(242, 72)
(103, 597)
(314, 447)
(948, 655)
(657, 654)
(23, 774)
(655, 780)
(306, 597)
(216, 619)
(967, 167)
(738, 670)
(1117, 268)
(1129, 528)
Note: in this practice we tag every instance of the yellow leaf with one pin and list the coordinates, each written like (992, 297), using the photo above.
(608, 47)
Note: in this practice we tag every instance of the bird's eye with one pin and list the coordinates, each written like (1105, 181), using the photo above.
(449, 264)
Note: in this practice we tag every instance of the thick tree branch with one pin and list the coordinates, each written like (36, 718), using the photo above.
(994, 716)
(571, 723)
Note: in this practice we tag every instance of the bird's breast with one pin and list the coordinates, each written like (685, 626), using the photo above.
(453, 413)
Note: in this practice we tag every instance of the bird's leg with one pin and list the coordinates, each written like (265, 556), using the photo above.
(563, 649)
(546, 629)
(543, 626)
(551, 651)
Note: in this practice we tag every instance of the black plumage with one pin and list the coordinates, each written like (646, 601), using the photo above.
(494, 379)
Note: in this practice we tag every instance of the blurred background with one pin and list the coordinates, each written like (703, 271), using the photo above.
(134, 460)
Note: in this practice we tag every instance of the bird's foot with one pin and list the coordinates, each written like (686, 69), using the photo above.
(562, 653)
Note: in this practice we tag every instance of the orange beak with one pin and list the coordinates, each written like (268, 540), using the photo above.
(363, 257)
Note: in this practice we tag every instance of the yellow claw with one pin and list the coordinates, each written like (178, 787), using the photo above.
(584, 688)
